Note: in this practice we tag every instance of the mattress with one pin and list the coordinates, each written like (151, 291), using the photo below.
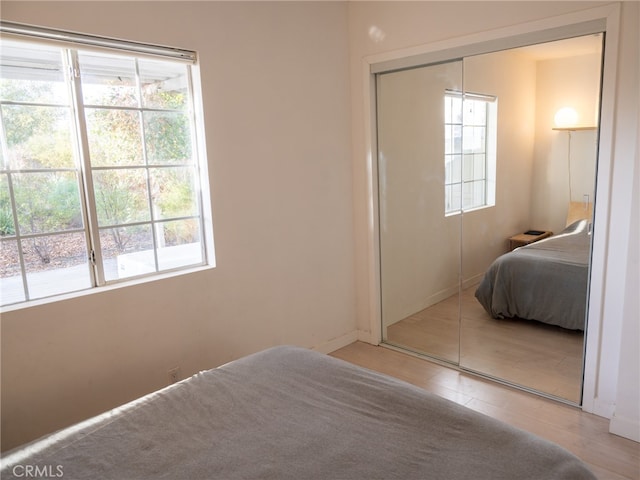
(291, 413)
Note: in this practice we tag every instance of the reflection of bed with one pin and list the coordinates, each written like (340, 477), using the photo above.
(544, 281)
(290, 413)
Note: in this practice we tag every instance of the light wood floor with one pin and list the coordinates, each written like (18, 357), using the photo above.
(538, 356)
(587, 436)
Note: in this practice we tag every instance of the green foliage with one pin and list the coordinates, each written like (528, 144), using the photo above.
(41, 137)
(6, 220)
(121, 198)
(38, 137)
(167, 136)
(114, 137)
(47, 202)
(181, 232)
(173, 192)
(6, 215)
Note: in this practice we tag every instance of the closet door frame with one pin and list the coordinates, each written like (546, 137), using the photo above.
(599, 388)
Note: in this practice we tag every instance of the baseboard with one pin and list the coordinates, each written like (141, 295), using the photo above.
(625, 427)
(598, 407)
(337, 343)
(471, 281)
(367, 337)
(426, 302)
(437, 298)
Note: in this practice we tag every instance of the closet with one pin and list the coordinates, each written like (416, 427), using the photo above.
(473, 153)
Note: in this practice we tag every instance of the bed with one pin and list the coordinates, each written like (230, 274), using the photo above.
(291, 413)
(544, 281)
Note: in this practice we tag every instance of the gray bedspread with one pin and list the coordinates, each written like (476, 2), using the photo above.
(544, 281)
(290, 413)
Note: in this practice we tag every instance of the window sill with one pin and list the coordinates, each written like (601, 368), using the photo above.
(470, 210)
(96, 290)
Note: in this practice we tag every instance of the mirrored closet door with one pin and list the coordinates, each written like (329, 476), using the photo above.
(486, 170)
(418, 127)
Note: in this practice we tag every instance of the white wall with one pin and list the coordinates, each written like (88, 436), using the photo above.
(572, 82)
(276, 104)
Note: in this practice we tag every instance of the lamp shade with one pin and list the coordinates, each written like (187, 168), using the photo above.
(566, 117)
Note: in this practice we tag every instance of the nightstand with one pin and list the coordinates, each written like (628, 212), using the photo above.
(530, 236)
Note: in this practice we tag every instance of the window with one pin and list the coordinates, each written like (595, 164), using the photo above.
(100, 172)
(470, 161)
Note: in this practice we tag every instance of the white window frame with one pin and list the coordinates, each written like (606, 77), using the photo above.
(71, 43)
(460, 146)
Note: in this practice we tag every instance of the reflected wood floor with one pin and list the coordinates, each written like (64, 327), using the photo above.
(532, 354)
(587, 436)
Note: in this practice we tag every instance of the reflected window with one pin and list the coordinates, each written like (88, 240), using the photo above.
(99, 173)
(470, 126)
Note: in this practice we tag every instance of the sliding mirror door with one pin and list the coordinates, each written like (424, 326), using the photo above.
(524, 322)
(471, 167)
(419, 165)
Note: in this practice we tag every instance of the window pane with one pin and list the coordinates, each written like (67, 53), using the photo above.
(32, 73)
(114, 137)
(448, 139)
(479, 193)
(180, 242)
(38, 137)
(121, 196)
(474, 194)
(447, 109)
(456, 197)
(127, 251)
(47, 202)
(447, 169)
(467, 168)
(467, 189)
(173, 192)
(447, 198)
(3, 161)
(108, 80)
(11, 287)
(475, 112)
(456, 169)
(164, 84)
(479, 113)
(453, 139)
(469, 139)
(457, 138)
(479, 169)
(467, 195)
(168, 138)
(467, 117)
(456, 109)
(479, 142)
(7, 227)
(56, 264)
(142, 155)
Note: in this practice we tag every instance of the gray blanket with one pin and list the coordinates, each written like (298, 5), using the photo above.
(544, 281)
(290, 413)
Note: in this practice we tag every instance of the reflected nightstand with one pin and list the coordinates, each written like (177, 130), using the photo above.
(530, 236)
